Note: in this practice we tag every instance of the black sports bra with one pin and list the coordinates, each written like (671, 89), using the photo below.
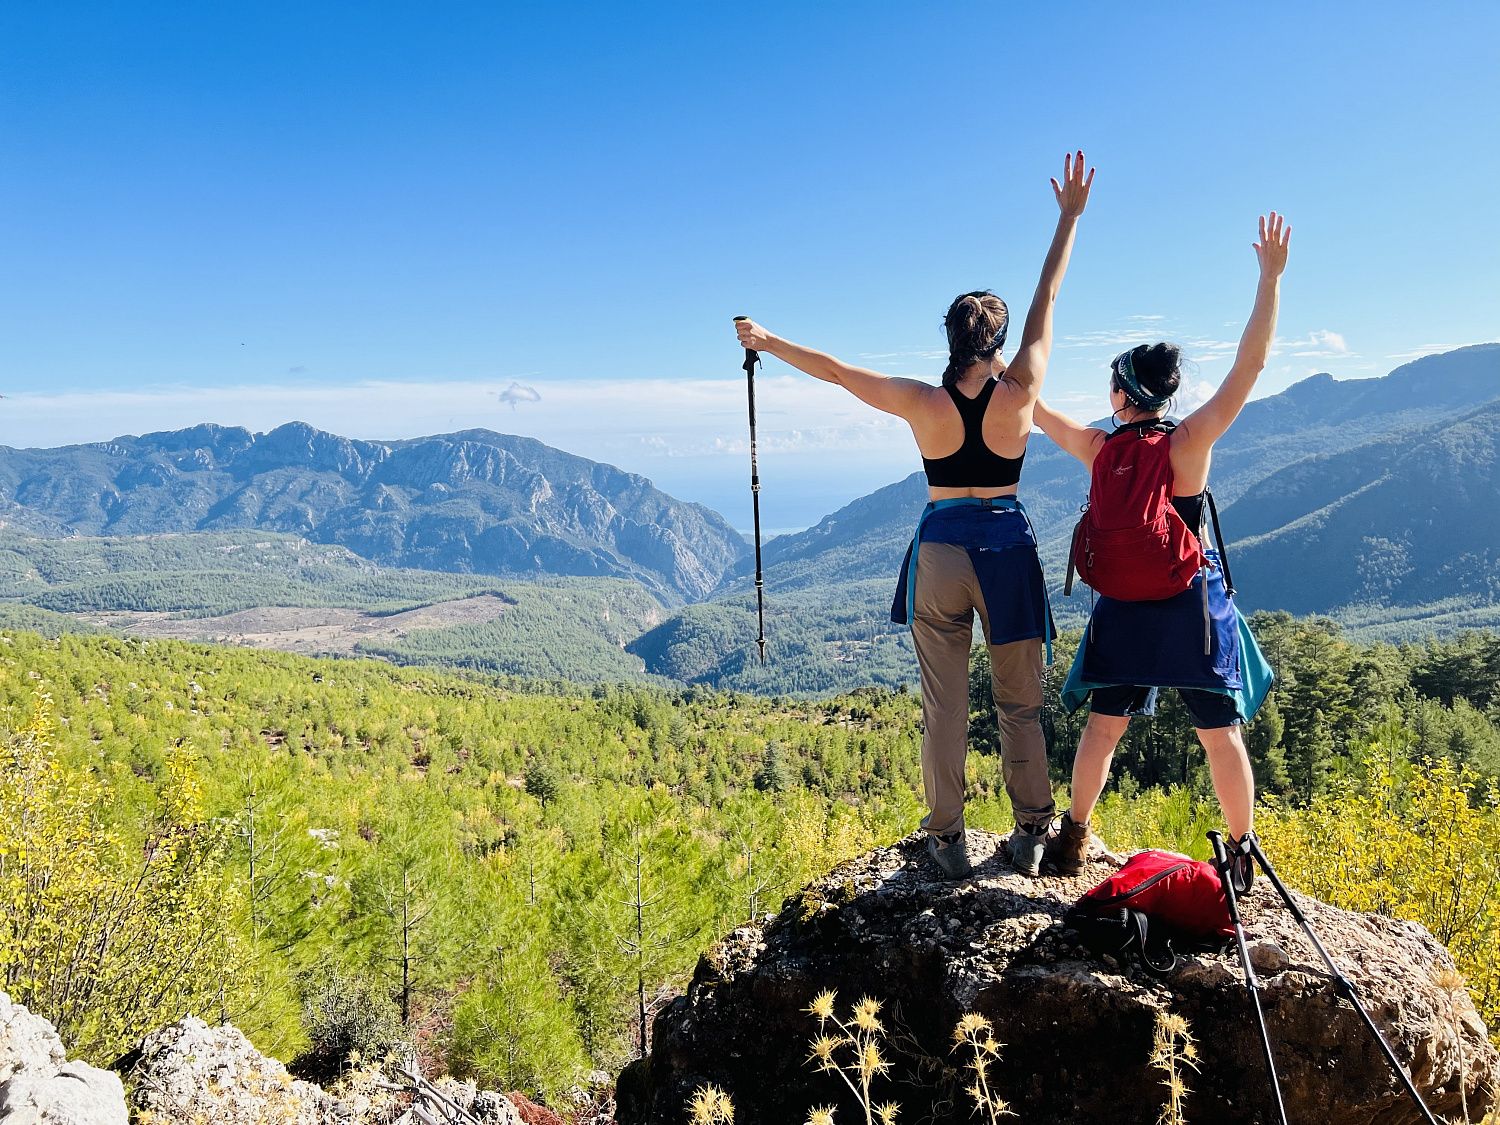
(974, 464)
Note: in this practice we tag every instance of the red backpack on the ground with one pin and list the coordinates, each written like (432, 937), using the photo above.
(1155, 900)
(1131, 544)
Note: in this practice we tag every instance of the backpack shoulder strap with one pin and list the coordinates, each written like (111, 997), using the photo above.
(1155, 952)
(1213, 510)
(1142, 428)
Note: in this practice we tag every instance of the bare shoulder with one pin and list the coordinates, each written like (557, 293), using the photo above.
(1012, 394)
(929, 397)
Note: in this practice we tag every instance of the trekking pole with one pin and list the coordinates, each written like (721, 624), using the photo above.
(752, 357)
(1345, 985)
(1221, 864)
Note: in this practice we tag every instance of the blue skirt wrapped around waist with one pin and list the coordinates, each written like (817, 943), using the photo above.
(998, 538)
(1172, 643)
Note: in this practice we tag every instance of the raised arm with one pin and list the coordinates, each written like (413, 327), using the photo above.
(1030, 364)
(883, 392)
(1204, 426)
(1072, 437)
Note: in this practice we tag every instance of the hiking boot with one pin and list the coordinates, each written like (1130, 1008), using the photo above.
(1068, 848)
(1025, 848)
(1241, 864)
(951, 853)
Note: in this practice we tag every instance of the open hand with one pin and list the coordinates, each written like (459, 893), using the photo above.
(1073, 193)
(1275, 235)
(752, 335)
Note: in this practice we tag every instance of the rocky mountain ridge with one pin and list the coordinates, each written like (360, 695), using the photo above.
(472, 501)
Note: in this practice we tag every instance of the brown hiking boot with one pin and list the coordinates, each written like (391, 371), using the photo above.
(1067, 848)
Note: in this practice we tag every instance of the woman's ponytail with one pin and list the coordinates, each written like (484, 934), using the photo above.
(976, 324)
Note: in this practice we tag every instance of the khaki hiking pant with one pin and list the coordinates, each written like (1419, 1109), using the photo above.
(947, 597)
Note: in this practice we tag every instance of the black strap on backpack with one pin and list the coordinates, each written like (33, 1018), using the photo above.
(1073, 551)
(1213, 511)
(1123, 933)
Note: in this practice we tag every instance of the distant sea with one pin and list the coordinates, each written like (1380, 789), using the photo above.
(796, 490)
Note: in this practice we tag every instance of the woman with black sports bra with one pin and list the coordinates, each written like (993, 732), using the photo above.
(974, 549)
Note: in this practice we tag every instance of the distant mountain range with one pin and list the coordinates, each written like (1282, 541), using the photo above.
(474, 501)
(1376, 501)
(1334, 437)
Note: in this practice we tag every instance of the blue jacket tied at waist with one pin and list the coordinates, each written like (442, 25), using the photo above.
(998, 537)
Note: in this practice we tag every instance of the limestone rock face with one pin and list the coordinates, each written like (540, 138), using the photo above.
(38, 1086)
(1077, 1031)
(188, 1071)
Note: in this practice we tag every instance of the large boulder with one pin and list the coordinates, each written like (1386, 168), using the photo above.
(39, 1086)
(189, 1072)
(1077, 1032)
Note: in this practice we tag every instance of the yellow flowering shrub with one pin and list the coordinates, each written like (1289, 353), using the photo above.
(1413, 844)
(109, 938)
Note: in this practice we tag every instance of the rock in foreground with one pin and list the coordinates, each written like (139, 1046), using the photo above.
(39, 1086)
(1077, 1032)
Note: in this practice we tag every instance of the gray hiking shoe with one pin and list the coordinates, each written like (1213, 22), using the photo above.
(1068, 848)
(951, 853)
(1025, 848)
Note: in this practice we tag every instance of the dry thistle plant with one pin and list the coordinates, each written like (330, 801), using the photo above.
(977, 1033)
(1452, 984)
(711, 1106)
(850, 1048)
(1174, 1049)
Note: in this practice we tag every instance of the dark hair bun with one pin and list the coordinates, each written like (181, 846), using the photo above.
(972, 323)
(1158, 368)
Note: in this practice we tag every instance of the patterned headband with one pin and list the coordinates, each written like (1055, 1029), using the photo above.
(1125, 376)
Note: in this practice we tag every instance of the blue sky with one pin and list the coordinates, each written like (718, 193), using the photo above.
(380, 217)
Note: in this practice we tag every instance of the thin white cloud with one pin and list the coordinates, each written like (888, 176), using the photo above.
(924, 354)
(1320, 343)
(1432, 349)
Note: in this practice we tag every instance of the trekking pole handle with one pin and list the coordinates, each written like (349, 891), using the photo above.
(752, 357)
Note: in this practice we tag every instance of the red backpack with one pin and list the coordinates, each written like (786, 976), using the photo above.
(1131, 544)
(1155, 900)
(1186, 894)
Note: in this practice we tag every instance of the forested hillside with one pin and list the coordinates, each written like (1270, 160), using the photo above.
(282, 591)
(344, 855)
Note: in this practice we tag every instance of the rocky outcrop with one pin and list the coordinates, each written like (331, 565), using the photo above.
(1077, 1032)
(39, 1086)
(189, 1071)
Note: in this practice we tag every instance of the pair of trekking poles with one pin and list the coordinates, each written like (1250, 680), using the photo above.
(1224, 863)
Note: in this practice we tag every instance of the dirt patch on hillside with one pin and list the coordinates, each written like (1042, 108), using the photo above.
(302, 630)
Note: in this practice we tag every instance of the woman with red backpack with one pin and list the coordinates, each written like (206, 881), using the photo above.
(1165, 615)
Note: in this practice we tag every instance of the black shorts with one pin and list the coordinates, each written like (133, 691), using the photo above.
(1211, 710)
